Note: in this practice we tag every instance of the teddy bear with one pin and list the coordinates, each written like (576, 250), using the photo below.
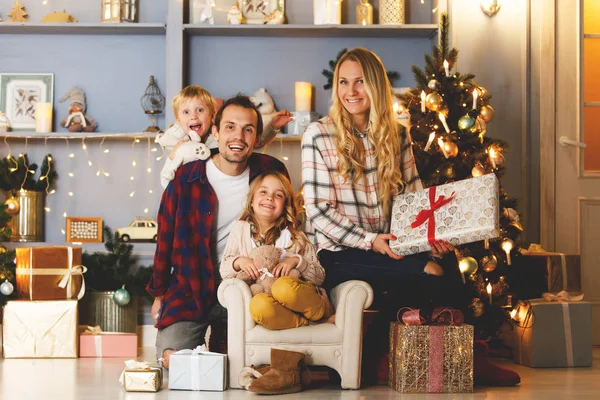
(191, 150)
(265, 105)
(77, 120)
(265, 257)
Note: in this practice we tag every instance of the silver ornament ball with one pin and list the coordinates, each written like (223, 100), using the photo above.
(6, 288)
(121, 297)
(433, 84)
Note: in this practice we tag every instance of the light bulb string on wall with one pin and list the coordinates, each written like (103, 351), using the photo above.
(27, 170)
(101, 169)
(9, 157)
(67, 185)
(150, 180)
(133, 166)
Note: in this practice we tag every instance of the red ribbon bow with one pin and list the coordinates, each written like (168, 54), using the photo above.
(425, 215)
(439, 316)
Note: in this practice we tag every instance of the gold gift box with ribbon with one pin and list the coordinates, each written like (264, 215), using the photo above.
(139, 376)
(50, 273)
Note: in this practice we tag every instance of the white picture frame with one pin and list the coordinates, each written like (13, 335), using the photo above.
(20, 92)
(255, 11)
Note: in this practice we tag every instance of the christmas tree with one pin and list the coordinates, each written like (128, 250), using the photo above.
(18, 13)
(7, 258)
(448, 116)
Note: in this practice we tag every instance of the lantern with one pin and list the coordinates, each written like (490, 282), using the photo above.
(153, 102)
(119, 10)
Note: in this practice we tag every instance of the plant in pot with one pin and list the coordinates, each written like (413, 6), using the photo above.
(26, 195)
(111, 300)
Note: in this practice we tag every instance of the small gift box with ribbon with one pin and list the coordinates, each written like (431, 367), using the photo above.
(50, 273)
(538, 271)
(459, 212)
(431, 356)
(95, 343)
(40, 329)
(139, 376)
(198, 369)
(554, 331)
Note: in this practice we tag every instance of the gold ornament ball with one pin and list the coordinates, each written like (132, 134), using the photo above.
(2, 250)
(468, 265)
(451, 149)
(434, 101)
(448, 172)
(12, 206)
(489, 263)
(432, 84)
(487, 113)
(478, 307)
(477, 171)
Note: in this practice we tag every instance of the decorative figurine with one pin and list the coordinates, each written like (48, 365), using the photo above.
(234, 16)
(4, 123)
(77, 120)
(59, 17)
(18, 13)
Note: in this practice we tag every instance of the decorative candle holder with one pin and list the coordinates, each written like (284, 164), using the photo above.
(391, 12)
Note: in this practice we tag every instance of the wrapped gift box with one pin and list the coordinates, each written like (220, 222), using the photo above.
(93, 343)
(40, 329)
(554, 334)
(49, 273)
(197, 370)
(471, 215)
(140, 377)
(536, 273)
(431, 359)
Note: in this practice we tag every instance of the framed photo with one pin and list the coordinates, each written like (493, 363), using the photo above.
(84, 229)
(256, 11)
(19, 93)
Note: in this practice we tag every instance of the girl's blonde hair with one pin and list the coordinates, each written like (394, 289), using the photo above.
(288, 218)
(192, 92)
(384, 131)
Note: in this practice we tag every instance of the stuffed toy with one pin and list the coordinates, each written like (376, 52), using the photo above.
(265, 257)
(191, 150)
(265, 104)
(77, 120)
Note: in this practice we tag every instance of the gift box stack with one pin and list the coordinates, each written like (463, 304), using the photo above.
(431, 358)
(43, 322)
(459, 212)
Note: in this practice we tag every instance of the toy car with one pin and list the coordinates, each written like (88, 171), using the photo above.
(141, 229)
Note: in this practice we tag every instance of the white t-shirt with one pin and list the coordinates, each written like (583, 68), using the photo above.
(231, 194)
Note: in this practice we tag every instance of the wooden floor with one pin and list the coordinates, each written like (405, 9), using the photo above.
(84, 379)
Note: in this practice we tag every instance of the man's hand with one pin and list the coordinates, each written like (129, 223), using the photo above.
(247, 265)
(281, 118)
(285, 266)
(172, 153)
(380, 245)
(440, 248)
(156, 308)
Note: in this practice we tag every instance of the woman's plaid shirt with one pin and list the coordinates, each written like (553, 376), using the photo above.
(339, 213)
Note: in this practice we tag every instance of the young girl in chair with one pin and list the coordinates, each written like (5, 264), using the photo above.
(270, 217)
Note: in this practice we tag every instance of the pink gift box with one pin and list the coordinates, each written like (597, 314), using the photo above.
(108, 344)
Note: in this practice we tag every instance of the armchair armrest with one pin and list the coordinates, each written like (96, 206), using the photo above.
(234, 295)
(350, 299)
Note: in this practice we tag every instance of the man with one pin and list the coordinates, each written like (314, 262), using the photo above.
(195, 217)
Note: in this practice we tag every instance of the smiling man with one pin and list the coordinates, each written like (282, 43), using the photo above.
(195, 217)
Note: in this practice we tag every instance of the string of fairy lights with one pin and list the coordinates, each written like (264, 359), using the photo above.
(101, 162)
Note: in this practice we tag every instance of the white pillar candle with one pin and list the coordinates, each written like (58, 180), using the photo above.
(431, 138)
(303, 96)
(446, 65)
(423, 101)
(441, 144)
(475, 94)
(492, 154)
(443, 119)
(489, 291)
(43, 117)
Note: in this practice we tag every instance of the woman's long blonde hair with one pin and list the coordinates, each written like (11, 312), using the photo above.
(383, 128)
(288, 219)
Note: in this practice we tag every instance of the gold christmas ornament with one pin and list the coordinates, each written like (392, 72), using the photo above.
(433, 84)
(450, 149)
(487, 113)
(12, 206)
(448, 172)
(434, 101)
(482, 91)
(2, 250)
(477, 170)
(478, 307)
(489, 263)
(468, 265)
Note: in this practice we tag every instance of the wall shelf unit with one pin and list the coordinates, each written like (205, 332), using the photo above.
(82, 28)
(309, 31)
(73, 136)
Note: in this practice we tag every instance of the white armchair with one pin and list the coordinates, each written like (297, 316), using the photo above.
(338, 346)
